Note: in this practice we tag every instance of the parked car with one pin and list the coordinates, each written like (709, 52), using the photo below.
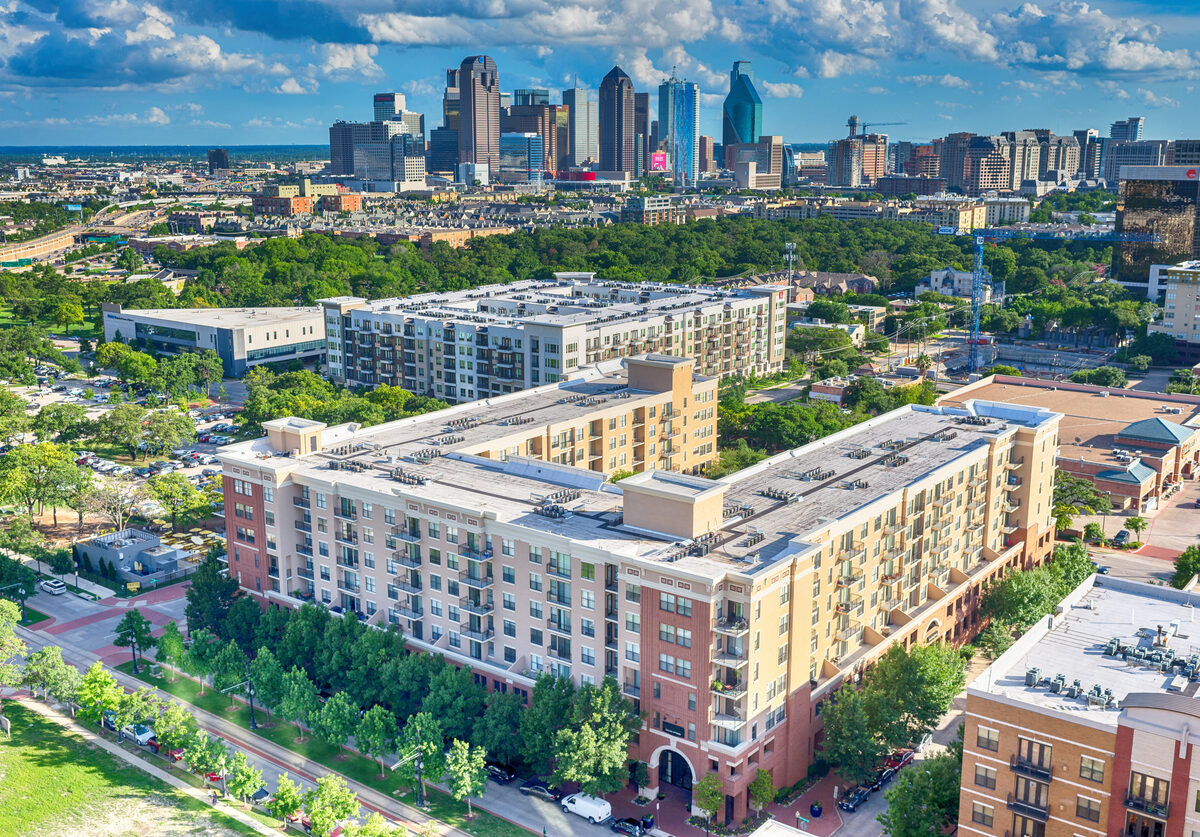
(141, 471)
(592, 808)
(899, 758)
(542, 789)
(52, 586)
(853, 798)
(138, 732)
(499, 773)
(882, 778)
(1122, 536)
(108, 720)
(1101, 569)
(173, 755)
(211, 472)
(628, 825)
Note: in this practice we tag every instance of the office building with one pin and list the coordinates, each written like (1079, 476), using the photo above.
(650, 210)
(1082, 727)
(1089, 152)
(479, 112)
(537, 119)
(1185, 153)
(388, 106)
(679, 122)
(1127, 130)
(1160, 201)
(443, 151)
(521, 158)
(1118, 154)
(1133, 446)
(1181, 309)
(497, 339)
(758, 165)
(451, 101)
(524, 97)
(952, 157)
(923, 161)
(741, 114)
(707, 164)
(241, 337)
(644, 140)
(616, 121)
(1024, 152)
(900, 185)
(583, 126)
(364, 150)
(727, 610)
(218, 160)
(987, 166)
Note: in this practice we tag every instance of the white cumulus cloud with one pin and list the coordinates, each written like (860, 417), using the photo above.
(781, 89)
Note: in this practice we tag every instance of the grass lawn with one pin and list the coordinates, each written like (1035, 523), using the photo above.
(86, 329)
(351, 765)
(32, 617)
(56, 783)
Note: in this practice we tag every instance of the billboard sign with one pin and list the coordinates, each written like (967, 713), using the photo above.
(72, 207)
(658, 161)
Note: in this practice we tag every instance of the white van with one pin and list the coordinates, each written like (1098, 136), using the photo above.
(596, 810)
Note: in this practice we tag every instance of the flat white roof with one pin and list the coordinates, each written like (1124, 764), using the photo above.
(224, 317)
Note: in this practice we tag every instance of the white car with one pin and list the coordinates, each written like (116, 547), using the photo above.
(138, 732)
(593, 808)
(52, 586)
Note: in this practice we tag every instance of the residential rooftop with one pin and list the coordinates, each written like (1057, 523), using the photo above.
(1104, 614)
(770, 510)
(227, 317)
(567, 299)
(1093, 416)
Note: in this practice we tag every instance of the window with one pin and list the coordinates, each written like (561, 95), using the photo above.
(1033, 752)
(508, 574)
(587, 598)
(666, 602)
(683, 667)
(633, 593)
(587, 571)
(982, 814)
(683, 637)
(666, 663)
(509, 601)
(1087, 809)
(587, 655)
(783, 624)
(633, 622)
(535, 610)
(435, 582)
(633, 652)
(510, 628)
(1149, 788)
(535, 581)
(987, 739)
(535, 636)
(985, 777)
(1093, 769)
(683, 607)
(666, 632)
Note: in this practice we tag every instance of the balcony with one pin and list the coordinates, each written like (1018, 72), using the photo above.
(735, 690)
(305, 572)
(1028, 809)
(849, 580)
(1158, 810)
(631, 690)
(1031, 769)
(1009, 528)
(557, 573)
(732, 659)
(301, 502)
(558, 626)
(406, 560)
(343, 561)
(345, 514)
(1013, 465)
(850, 608)
(732, 625)
(558, 654)
(471, 606)
(405, 584)
(480, 634)
(301, 526)
(410, 611)
(978, 482)
(403, 534)
(1012, 484)
(304, 549)
(561, 601)
(482, 583)
(475, 554)
(728, 720)
(348, 586)
(350, 538)
(846, 634)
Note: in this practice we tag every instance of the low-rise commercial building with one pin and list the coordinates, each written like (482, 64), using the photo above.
(1135, 446)
(241, 337)
(951, 282)
(651, 210)
(727, 610)
(497, 339)
(1083, 726)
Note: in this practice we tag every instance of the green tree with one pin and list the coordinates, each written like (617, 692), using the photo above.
(1073, 496)
(266, 675)
(923, 363)
(229, 670)
(287, 801)
(299, 702)
(494, 731)
(421, 739)
(549, 711)
(206, 754)
(172, 650)
(849, 740)
(134, 632)
(465, 772)
(60, 421)
(376, 734)
(1101, 376)
(168, 429)
(1140, 363)
(924, 800)
(328, 803)
(375, 826)
(202, 655)
(918, 685)
(243, 778)
(709, 794)
(456, 700)
(138, 707)
(175, 727)
(1137, 525)
(995, 639)
(241, 623)
(1187, 565)
(210, 596)
(45, 669)
(66, 313)
(593, 749)
(98, 692)
(125, 426)
(1093, 532)
(762, 789)
(336, 721)
(182, 499)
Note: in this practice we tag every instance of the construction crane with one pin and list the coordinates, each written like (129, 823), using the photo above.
(993, 234)
(852, 123)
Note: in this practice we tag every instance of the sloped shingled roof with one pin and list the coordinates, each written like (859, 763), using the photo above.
(1136, 473)
(1157, 430)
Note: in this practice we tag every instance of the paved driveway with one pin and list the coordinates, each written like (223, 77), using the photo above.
(1177, 526)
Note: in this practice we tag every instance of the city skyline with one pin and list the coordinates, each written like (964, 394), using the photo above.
(90, 73)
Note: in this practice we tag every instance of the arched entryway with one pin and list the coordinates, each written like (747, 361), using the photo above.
(673, 769)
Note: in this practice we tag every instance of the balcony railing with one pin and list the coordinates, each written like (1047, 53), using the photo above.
(478, 583)
(346, 537)
(479, 634)
(404, 535)
(410, 612)
(558, 626)
(305, 572)
(301, 502)
(734, 690)
(345, 514)
(1031, 769)
(734, 625)
(304, 550)
(631, 690)
(406, 585)
(732, 659)
(302, 526)
(471, 606)
(1158, 810)
(348, 586)
(1028, 809)
(406, 560)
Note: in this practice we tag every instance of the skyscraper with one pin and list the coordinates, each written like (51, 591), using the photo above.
(641, 131)
(388, 106)
(479, 112)
(1129, 129)
(1089, 152)
(538, 119)
(616, 123)
(679, 118)
(218, 158)
(582, 126)
(742, 112)
(451, 105)
(1163, 201)
(521, 158)
(530, 96)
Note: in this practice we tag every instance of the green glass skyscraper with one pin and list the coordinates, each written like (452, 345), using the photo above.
(742, 112)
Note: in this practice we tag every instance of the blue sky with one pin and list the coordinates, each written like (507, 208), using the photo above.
(209, 72)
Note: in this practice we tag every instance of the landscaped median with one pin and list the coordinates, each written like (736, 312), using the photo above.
(349, 764)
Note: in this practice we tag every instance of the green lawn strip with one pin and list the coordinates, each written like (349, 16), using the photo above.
(32, 617)
(53, 777)
(353, 766)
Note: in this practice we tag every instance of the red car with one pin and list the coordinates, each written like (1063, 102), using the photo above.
(173, 755)
(898, 759)
(213, 777)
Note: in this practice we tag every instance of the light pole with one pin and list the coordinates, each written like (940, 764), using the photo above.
(20, 585)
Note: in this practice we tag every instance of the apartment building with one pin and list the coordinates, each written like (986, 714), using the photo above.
(1181, 309)
(497, 339)
(728, 610)
(1082, 728)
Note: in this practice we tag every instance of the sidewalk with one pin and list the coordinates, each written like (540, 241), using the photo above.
(97, 590)
(291, 761)
(158, 773)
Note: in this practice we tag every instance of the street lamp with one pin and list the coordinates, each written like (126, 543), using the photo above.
(20, 585)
